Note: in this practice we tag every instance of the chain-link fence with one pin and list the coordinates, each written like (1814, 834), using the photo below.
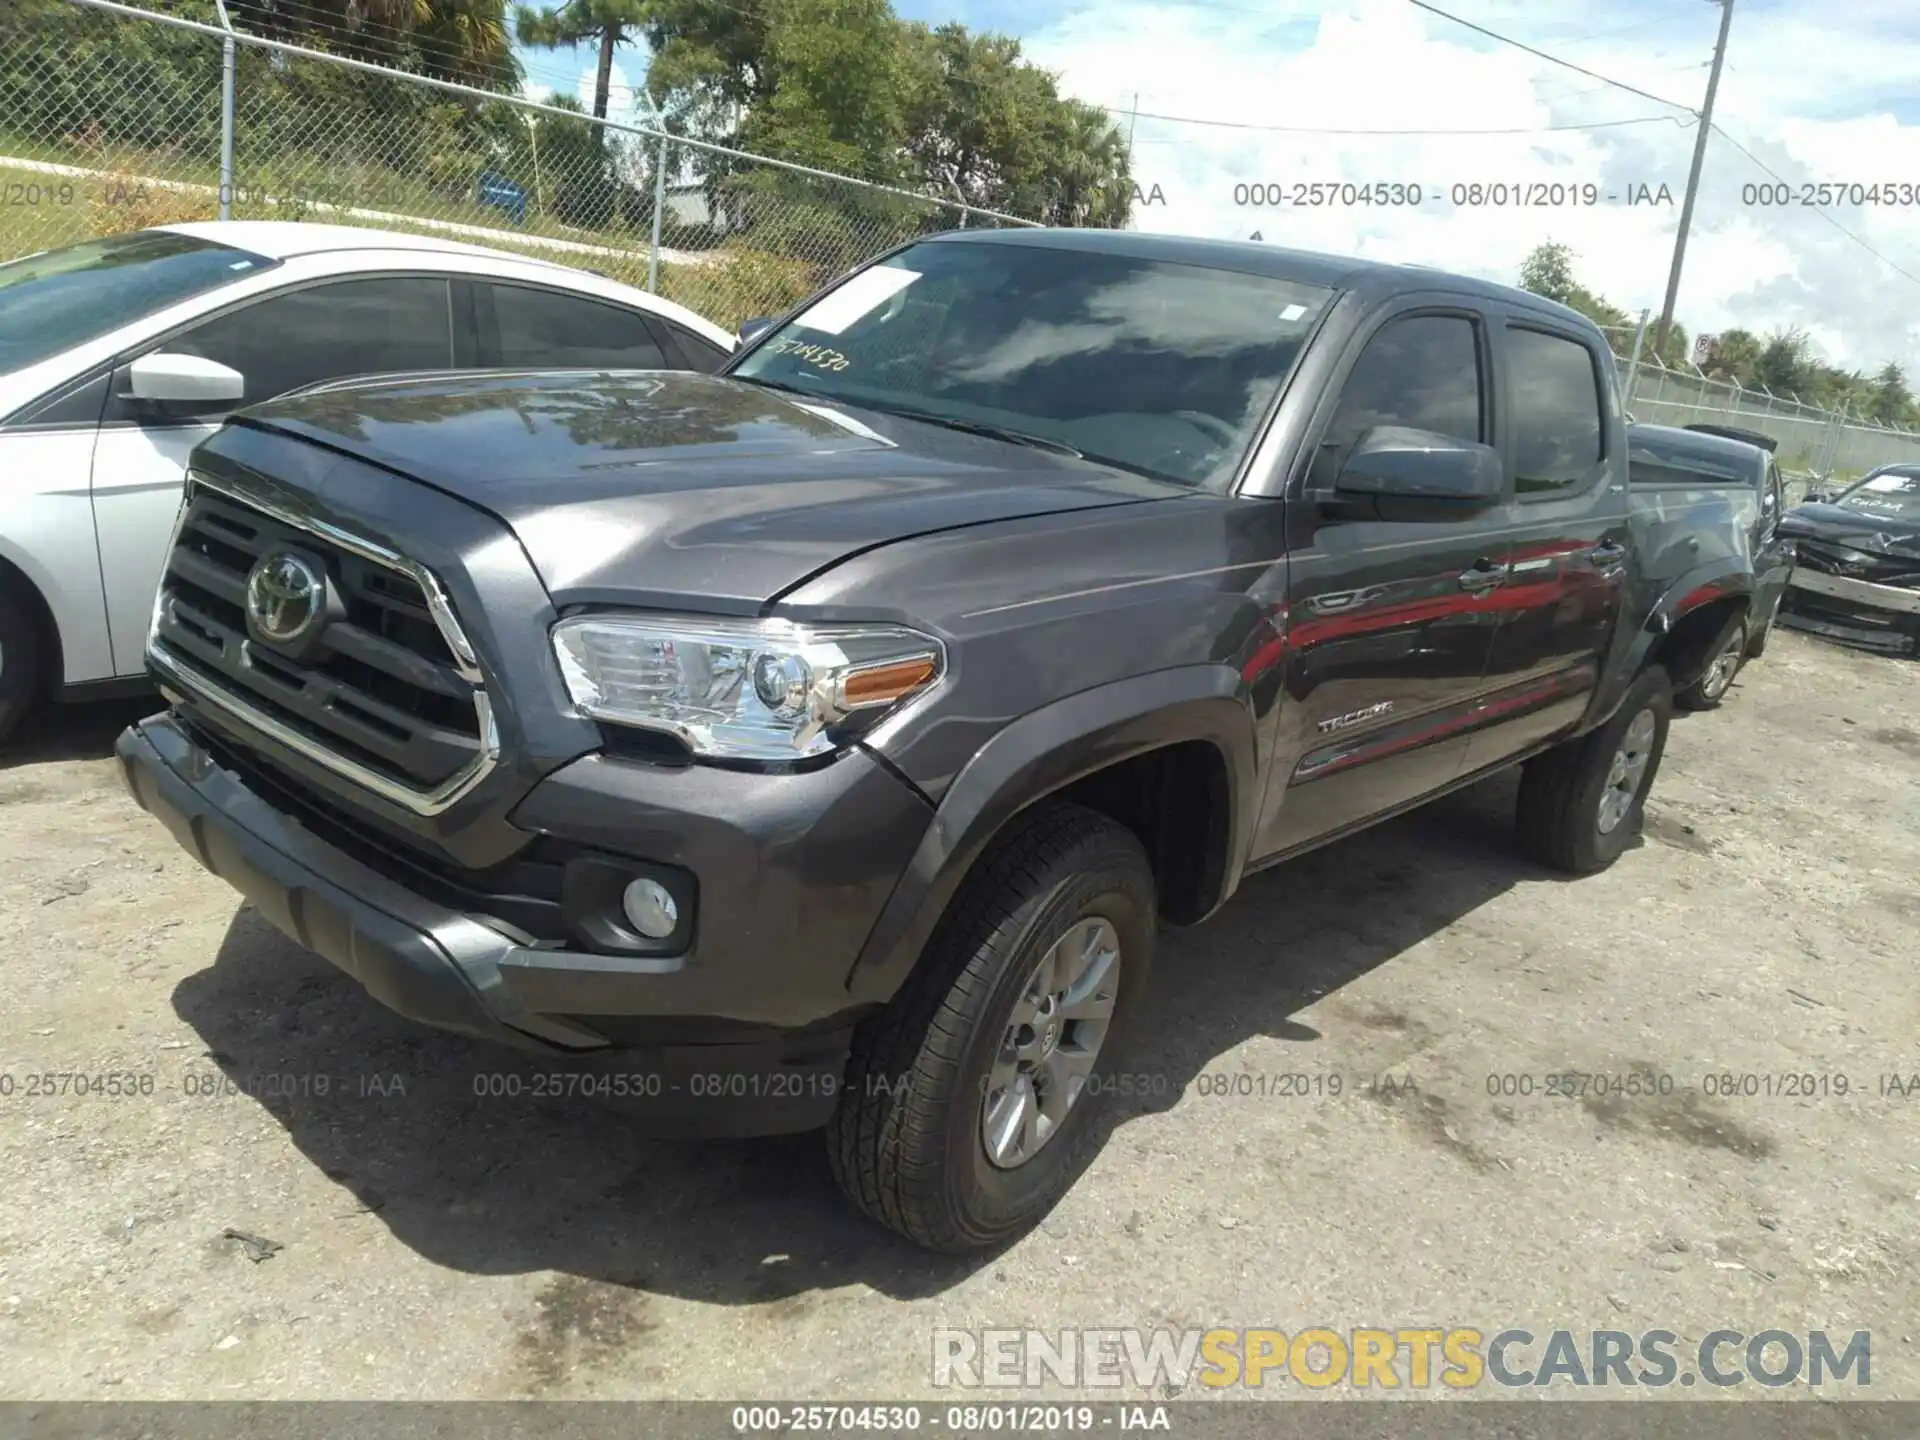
(1812, 440)
(113, 119)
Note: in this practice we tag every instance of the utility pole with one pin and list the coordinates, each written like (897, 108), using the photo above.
(1132, 115)
(1693, 179)
(1633, 365)
(226, 112)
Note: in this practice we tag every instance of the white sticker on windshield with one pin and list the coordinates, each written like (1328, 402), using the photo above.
(856, 298)
(1888, 484)
(1293, 312)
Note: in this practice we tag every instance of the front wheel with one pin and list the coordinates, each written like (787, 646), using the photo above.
(1729, 654)
(971, 1102)
(1581, 802)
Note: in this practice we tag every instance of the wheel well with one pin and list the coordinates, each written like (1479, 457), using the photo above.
(1687, 647)
(14, 582)
(1175, 799)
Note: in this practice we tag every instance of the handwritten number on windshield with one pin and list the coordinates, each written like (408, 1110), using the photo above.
(818, 355)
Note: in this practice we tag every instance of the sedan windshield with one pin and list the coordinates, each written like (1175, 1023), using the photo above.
(1160, 368)
(61, 298)
(1889, 495)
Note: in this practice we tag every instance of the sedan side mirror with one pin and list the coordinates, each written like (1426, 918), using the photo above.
(752, 330)
(1399, 463)
(187, 382)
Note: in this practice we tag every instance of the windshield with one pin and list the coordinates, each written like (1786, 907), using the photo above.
(1889, 495)
(60, 298)
(1164, 369)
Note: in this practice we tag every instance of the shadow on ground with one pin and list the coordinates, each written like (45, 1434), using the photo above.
(83, 731)
(506, 1186)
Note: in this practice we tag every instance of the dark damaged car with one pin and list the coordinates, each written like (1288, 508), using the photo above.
(1857, 576)
(829, 739)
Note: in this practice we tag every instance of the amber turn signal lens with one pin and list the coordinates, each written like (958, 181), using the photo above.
(883, 684)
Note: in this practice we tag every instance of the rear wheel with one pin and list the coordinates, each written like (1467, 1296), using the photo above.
(19, 664)
(1581, 802)
(971, 1102)
(1729, 654)
(1762, 628)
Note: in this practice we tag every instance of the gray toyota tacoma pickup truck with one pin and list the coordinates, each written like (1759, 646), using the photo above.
(822, 743)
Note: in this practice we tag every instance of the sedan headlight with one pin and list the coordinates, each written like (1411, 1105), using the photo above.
(742, 689)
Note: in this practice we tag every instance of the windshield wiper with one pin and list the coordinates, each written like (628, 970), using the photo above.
(977, 427)
(776, 385)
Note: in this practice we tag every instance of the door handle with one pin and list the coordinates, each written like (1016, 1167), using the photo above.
(1607, 552)
(1484, 575)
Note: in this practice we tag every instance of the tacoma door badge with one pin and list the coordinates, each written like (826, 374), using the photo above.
(1354, 717)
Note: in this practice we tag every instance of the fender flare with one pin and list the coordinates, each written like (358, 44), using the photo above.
(1704, 585)
(1036, 756)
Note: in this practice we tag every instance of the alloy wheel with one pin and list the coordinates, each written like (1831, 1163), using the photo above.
(1628, 769)
(1051, 1042)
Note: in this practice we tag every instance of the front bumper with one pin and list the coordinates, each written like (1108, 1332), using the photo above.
(1882, 617)
(752, 1014)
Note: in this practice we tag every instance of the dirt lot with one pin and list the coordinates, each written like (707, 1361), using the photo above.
(438, 1244)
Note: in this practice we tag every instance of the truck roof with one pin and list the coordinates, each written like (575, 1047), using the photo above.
(1313, 267)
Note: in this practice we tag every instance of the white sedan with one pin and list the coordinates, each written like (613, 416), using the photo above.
(119, 355)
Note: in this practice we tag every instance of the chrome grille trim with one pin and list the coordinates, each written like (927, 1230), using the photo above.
(195, 686)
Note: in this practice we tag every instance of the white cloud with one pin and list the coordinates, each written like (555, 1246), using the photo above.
(1812, 98)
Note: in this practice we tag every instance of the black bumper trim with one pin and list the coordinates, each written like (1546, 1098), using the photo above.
(436, 964)
(424, 962)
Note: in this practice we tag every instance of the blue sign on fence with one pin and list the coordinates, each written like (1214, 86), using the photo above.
(501, 193)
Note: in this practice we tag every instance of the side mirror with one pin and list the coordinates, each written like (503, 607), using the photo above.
(1398, 463)
(186, 381)
(752, 330)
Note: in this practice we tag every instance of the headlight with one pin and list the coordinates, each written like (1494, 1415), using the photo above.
(742, 689)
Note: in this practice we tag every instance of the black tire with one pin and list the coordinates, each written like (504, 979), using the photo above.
(19, 664)
(906, 1143)
(1558, 823)
(1708, 688)
(1757, 642)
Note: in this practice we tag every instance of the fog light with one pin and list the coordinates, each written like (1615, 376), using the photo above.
(650, 909)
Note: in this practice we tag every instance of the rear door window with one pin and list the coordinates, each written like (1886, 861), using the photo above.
(1558, 423)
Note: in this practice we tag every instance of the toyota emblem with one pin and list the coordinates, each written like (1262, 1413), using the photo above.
(286, 597)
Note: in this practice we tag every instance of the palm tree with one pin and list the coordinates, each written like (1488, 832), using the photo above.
(467, 40)
(610, 22)
(1088, 169)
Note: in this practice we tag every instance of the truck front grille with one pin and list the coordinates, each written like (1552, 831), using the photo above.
(387, 693)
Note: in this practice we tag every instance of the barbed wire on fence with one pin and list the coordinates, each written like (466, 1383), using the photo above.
(1809, 438)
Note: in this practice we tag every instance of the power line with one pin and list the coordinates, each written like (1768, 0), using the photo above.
(1330, 130)
(1550, 59)
(1818, 210)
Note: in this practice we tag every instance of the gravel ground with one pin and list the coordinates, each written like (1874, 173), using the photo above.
(439, 1245)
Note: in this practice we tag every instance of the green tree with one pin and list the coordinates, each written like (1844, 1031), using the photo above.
(1735, 356)
(1090, 181)
(608, 23)
(1785, 366)
(1548, 271)
(1889, 401)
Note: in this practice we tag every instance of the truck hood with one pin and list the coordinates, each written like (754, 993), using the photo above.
(1871, 534)
(656, 487)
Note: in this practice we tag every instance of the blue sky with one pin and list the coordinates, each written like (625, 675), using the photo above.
(1813, 96)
